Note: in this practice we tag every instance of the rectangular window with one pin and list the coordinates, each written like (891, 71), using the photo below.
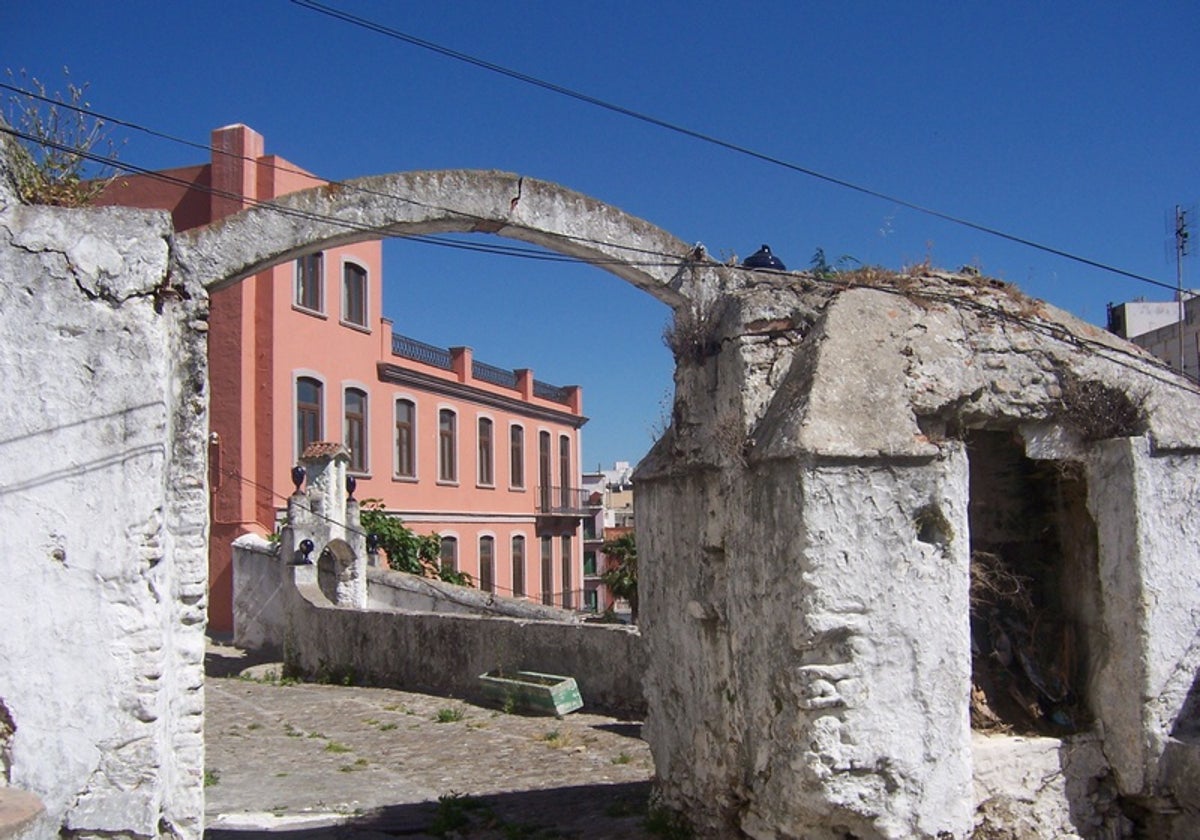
(487, 564)
(308, 412)
(406, 455)
(518, 566)
(564, 472)
(567, 599)
(309, 281)
(589, 563)
(486, 461)
(449, 553)
(447, 446)
(591, 600)
(547, 570)
(516, 457)
(354, 294)
(545, 474)
(356, 429)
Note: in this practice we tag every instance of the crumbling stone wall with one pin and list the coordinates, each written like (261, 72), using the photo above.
(806, 574)
(102, 484)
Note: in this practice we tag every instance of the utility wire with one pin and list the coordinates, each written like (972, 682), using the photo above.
(481, 247)
(670, 261)
(296, 170)
(641, 116)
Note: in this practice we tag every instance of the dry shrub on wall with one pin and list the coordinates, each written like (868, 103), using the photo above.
(692, 335)
(1098, 411)
(69, 154)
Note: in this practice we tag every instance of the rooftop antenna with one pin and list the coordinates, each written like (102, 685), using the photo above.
(1181, 250)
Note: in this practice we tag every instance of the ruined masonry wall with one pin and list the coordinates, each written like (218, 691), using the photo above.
(1144, 505)
(807, 592)
(102, 488)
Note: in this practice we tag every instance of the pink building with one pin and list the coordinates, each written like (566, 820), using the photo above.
(486, 457)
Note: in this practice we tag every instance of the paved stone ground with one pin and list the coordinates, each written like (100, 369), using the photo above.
(315, 761)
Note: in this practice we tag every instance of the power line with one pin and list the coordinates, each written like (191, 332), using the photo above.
(295, 170)
(396, 34)
(470, 246)
(669, 261)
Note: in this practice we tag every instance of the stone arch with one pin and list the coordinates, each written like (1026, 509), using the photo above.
(336, 571)
(462, 201)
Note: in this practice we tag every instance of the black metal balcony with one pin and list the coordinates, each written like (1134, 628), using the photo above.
(563, 501)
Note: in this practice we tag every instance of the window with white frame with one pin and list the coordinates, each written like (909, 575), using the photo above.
(355, 429)
(449, 554)
(447, 445)
(309, 413)
(516, 457)
(309, 282)
(487, 564)
(406, 437)
(567, 599)
(354, 294)
(547, 570)
(518, 565)
(486, 453)
(564, 471)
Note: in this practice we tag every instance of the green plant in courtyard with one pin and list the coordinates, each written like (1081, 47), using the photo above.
(449, 714)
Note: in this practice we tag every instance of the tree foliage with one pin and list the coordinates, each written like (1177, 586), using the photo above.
(621, 575)
(406, 550)
(69, 152)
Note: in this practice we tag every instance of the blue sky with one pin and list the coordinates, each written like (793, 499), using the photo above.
(1073, 124)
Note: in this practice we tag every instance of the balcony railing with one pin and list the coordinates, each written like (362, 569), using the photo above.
(491, 373)
(563, 501)
(439, 357)
(419, 351)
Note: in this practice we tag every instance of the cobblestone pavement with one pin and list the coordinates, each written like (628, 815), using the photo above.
(316, 761)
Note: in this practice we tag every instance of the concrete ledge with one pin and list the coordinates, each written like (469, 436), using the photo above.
(18, 811)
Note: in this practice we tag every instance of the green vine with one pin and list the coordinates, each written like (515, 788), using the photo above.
(406, 550)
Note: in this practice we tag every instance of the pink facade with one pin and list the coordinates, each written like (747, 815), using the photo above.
(487, 458)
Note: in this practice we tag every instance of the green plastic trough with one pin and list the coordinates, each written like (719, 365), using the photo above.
(530, 692)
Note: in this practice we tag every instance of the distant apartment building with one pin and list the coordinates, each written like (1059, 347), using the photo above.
(1155, 326)
(610, 501)
(484, 456)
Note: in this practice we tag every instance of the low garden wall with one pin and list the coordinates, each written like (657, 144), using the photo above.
(279, 606)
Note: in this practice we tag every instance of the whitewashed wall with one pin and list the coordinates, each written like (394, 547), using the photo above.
(103, 520)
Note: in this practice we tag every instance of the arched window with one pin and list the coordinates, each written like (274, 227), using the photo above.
(487, 564)
(355, 429)
(564, 472)
(545, 474)
(567, 561)
(547, 570)
(486, 447)
(309, 420)
(516, 457)
(449, 553)
(518, 565)
(354, 294)
(406, 436)
(447, 445)
(309, 282)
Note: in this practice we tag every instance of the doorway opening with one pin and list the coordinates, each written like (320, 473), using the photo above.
(1034, 589)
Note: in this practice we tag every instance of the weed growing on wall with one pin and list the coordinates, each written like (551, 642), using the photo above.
(1099, 411)
(69, 152)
